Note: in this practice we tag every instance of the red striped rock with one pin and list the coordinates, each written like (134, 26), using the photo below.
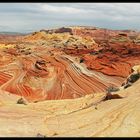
(48, 72)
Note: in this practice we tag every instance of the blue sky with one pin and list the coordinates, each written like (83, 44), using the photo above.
(28, 17)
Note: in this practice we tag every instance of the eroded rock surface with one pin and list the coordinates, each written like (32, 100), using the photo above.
(54, 83)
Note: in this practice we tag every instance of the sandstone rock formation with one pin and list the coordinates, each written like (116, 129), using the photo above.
(88, 116)
(55, 83)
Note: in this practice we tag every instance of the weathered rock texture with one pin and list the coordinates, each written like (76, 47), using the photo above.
(83, 117)
(55, 83)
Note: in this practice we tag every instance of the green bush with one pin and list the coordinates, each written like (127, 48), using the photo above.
(134, 77)
(81, 60)
(112, 89)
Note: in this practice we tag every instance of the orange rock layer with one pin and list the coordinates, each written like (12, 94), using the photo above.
(40, 76)
(41, 72)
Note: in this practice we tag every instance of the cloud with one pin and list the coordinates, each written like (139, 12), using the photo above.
(64, 9)
(35, 16)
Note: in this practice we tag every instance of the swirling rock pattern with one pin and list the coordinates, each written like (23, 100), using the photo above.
(88, 116)
(63, 76)
(39, 76)
(50, 72)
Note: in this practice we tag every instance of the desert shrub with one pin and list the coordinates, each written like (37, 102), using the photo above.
(134, 77)
(112, 89)
(81, 60)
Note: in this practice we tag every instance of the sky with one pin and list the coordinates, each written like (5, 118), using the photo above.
(30, 17)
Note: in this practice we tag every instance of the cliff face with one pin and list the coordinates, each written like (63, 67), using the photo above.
(64, 73)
